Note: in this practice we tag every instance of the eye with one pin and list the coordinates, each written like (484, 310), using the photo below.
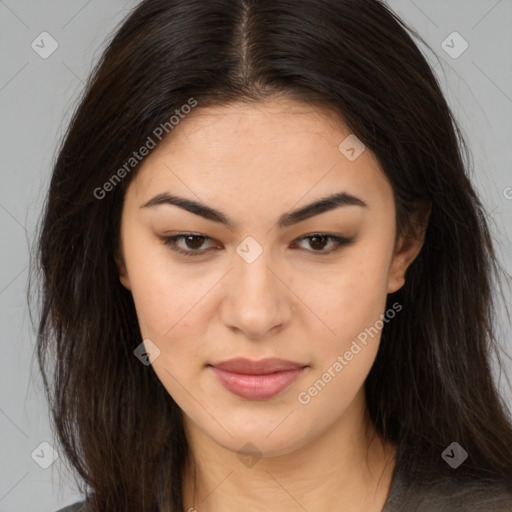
(318, 242)
(191, 241)
(193, 244)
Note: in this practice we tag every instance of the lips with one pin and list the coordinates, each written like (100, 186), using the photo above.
(257, 380)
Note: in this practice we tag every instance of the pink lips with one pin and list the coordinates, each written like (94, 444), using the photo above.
(256, 380)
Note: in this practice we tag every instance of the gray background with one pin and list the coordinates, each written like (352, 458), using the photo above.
(36, 99)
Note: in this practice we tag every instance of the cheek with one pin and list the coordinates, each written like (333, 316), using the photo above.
(352, 303)
(351, 298)
(162, 295)
(169, 314)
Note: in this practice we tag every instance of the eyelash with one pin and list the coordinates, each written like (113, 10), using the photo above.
(172, 240)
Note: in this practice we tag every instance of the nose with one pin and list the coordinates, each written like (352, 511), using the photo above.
(257, 300)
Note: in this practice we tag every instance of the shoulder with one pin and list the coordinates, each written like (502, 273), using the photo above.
(79, 506)
(470, 496)
(450, 495)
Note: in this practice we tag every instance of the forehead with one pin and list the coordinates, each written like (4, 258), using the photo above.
(279, 150)
(277, 125)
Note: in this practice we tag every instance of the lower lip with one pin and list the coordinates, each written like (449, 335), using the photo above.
(256, 387)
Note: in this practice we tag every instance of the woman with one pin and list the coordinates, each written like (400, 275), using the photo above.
(267, 280)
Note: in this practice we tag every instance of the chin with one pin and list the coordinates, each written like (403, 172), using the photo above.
(260, 447)
(262, 442)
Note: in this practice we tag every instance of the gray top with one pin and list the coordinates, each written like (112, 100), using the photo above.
(448, 495)
(79, 506)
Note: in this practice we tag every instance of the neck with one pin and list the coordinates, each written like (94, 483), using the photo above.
(350, 464)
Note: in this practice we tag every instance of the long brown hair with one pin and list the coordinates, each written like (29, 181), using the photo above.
(431, 383)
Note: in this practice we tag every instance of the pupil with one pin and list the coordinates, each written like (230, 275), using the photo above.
(316, 245)
(198, 241)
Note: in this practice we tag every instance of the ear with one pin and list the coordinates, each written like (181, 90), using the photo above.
(409, 245)
(121, 266)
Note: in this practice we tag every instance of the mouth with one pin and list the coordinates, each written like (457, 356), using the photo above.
(257, 380)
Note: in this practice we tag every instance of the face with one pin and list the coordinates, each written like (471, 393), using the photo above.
(257, 280)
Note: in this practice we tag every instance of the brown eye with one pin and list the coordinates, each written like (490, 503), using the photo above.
(319, 241)
(191, 243)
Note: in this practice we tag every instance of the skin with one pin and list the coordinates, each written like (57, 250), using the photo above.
(254, 163)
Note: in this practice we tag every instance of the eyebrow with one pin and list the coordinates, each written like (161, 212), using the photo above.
(323, 205)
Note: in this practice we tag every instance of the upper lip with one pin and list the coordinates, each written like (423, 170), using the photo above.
(263, 366)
